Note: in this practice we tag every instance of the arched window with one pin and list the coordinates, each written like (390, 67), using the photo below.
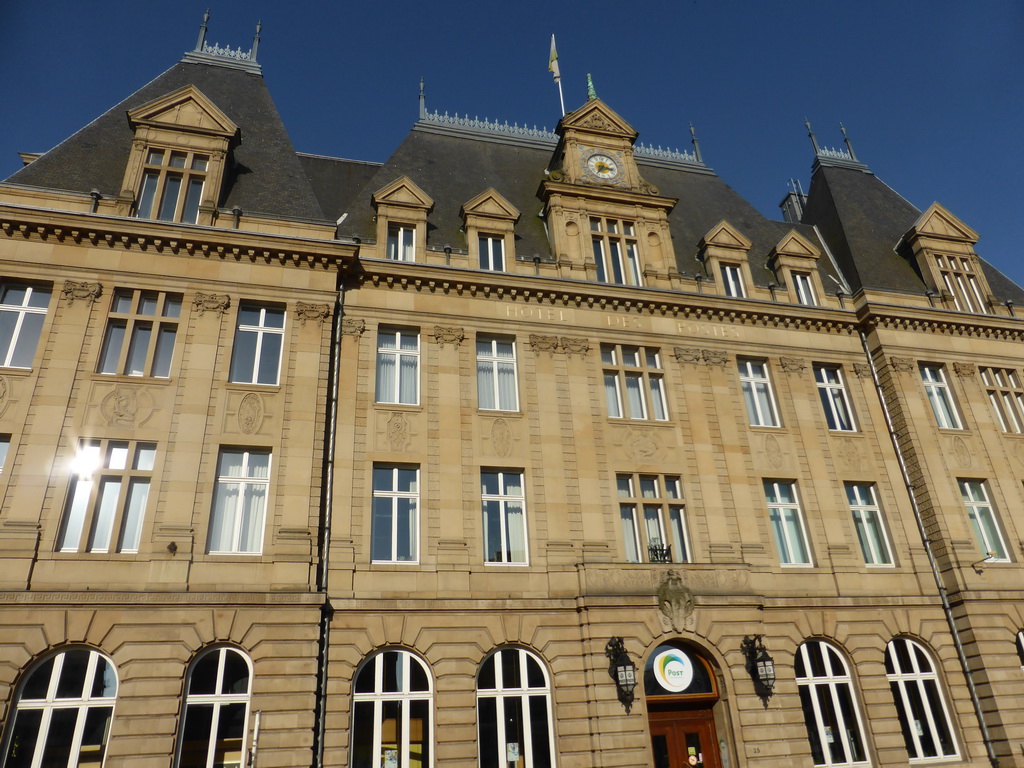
(216, 719)
(831, 714)
(513, 699)
(63, 712)
(391, 719)
(924, 716)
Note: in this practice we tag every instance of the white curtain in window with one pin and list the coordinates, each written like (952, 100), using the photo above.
(408, 380)
(515, 522)
(628, 515)
(611, 391)
(635, 395)
(385, 377)
(506, 386)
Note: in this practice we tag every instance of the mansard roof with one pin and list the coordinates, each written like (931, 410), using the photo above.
(265, 176)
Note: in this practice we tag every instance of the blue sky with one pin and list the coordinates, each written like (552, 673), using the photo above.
(929, 90)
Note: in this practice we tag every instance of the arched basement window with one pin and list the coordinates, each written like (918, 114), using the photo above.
(831, 714)
(391, 718)
(215, 726)
(513, 698)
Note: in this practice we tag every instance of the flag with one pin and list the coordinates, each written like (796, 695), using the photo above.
(553, 61)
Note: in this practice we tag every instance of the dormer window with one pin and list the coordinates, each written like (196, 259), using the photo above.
(492, 252)
(401, 243)
(960, 281)
(732, 281)
(803, 286)
(615, 251)
(172, 185)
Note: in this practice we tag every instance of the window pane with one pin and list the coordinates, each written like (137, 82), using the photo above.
(28, 340)
(169, 202)
(164, 351)
(135, 508)
(112, 345)
(243, 357)
(137, 350)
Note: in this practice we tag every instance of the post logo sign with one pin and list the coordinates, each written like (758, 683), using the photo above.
(673, 670)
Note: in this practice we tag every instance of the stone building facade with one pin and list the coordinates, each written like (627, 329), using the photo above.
(311, 461)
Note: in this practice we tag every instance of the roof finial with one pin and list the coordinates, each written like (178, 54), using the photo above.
(849, 144)
(423, 101)
(202, 32)
(256, 40)
(591, 91)
(810, 133)
(696, 144)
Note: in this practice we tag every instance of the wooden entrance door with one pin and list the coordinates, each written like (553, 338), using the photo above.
(684, 739)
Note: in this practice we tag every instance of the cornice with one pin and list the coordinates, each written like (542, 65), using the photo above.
(148, 236)
(146, 599)
(406, 276)
(941, 321)
(595, 191)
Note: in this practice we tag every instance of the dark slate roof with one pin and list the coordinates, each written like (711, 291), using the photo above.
(266, 176)
(336, 182)
(453, 167)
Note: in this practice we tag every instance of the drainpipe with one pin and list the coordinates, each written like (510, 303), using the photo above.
(326, 505)
(943, 596)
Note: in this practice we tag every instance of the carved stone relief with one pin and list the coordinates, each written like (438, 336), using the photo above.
(211, 302)
(352, 327)
(574, 346)
(849, 454)
(317, 312)
(643, 445)
(501, 438)
(397, 432)
(964, 369)
(714, 357)
(250, 414)
(543, 343)
(961, 452)
(675, 601)
(686, 354)
(6, 393)
(87, 292)
(126, 406)
(862, 370)
(454, 336)
(901, 364)
(792, 364)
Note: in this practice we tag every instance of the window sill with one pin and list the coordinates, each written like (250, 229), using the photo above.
(398, 406)
(241, 385)
(121, 378)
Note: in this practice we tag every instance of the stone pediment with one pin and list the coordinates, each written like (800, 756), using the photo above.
(186, 109)
(938, 222)
(724, 235)
(597, 117)
(491, 204)
(796, 245)
(403, 191)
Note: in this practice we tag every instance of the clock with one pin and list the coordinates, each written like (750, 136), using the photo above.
(602, 167)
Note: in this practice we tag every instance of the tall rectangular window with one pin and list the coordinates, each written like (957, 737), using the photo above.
(787, 523)
(172, 185)
(633, 382)
(107, 496)
(401, 245)
(395, 526)
(5, 447)
(832, 391)
(940, 396)
(239, 502)
(140, 333)
(983, 519)
(492, 252)
(653, 519)
(804, 288)
(868, 523)
(732, 281)
(962, 283)
(616, 252)
(22, 312)
(504, 516)
(757, 393)
(496, 374)
(259, 338)
(398, 367)
(1006, 396)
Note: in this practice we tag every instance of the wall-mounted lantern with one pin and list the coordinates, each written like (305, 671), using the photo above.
(622, 671)
(760, 666)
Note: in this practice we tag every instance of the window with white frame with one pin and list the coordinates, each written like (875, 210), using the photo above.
(497, 389)
(513, 700)
(5, 447)
(504, 516)
(259, 338)
(395, 525)
(140, 335)
(22, 312)
(869, 524)
(633, 382)
(920, 704)
(803, 286)
(983, 520)
(787, 522)
(653, 519)
(239, 501)
(215, 725)
(616, 252)
(940, 396)
(1006, 396)
(960, 280)
(62, 712)
(732, 281)
(757, 393)
(107, 496)
(832, 391)
(831, 713)
(398, 367)
(392, 724)
(172, 185)
(492, 252)
(401, 245)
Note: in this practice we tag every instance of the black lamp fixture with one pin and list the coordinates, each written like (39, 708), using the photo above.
(760, 666)
(622, 671)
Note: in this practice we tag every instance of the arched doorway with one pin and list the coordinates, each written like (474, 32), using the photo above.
(681, 691)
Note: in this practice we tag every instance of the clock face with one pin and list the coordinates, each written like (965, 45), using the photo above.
(602, 166)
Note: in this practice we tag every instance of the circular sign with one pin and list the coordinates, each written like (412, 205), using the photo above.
(673, 670)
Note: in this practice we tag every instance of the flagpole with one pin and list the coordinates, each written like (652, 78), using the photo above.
(561, 98)
(553, 69)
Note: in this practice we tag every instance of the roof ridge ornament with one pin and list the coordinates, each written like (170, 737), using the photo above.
(832, 156)
(847, 142)
(202, 32)
(226, 56)
(696, 144)
(423, 101)
(591, 91)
